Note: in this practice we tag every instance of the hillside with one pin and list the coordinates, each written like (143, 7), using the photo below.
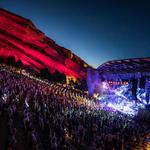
(20, 38)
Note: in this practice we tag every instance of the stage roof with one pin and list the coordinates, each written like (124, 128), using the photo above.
(126, 66)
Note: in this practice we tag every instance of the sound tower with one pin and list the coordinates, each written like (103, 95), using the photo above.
(134, 88)
(142, 83)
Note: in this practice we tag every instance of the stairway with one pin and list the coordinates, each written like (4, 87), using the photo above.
(145, 145)
(147, 142)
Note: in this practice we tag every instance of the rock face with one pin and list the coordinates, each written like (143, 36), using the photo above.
(20, 38)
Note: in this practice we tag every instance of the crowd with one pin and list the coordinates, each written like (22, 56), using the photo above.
(43, 116)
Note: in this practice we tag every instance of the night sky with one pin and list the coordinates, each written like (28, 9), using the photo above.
(95, 30)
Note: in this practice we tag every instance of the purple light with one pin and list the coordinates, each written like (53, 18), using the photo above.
(105, 85)
(120, 99)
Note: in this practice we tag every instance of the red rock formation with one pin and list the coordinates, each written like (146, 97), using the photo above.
(20, 38)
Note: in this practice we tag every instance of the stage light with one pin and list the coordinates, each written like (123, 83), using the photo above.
(141, 95)
(105, 85)
(120, 99)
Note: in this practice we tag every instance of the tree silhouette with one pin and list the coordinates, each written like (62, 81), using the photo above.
(1, 60)
(63, 78)
(19, 64)
(45, 74)
(59, 77)
(11, 61)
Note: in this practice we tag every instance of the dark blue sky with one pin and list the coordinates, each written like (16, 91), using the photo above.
(95, 30)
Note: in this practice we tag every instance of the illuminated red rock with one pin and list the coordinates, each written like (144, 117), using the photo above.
(20, 38)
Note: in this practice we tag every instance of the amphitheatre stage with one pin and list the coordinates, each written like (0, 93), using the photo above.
(122, 84)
